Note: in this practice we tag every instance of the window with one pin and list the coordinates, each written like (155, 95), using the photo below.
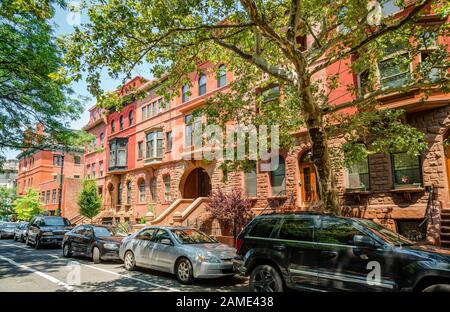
(140, 149)
(394, 72)
(54, 196)
(202, 84)
(88, 171)
(335, 231)
(131, 118)
(168, 141)
(93, 170)
(102, 140)
(221, 76)
(113, 129)
(76, 176)
(167, 187)
(185, 93)
(43, 197)
(406, 169)
(278, 178)
(250, 181)
(192, 125)
(154, 144)
(389, 7)
(142, 191)
(57, 160)
(119, 194)
(271, 94)
(263, 228)
(357, 176)
(160, 106)
(47, 197)
(118, 153)
(100, 165)
(297, 229)
(77, 160)
(129, 193)
(146, 234)
(153, 189)
(431, 73)
(144, 112)
(121, 123)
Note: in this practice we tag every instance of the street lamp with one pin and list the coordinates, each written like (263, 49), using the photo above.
(58, 212)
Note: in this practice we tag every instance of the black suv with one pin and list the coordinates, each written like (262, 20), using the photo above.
(311, 251)
(45, 230)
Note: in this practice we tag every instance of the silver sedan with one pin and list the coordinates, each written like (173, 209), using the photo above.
(182, 251)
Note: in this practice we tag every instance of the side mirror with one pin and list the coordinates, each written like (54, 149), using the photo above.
(363, 241)
(166, 241)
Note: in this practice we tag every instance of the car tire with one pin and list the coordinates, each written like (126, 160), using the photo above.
(27, 241)
(0, 235)
(96, 255)
(437, 288)
(184, 271)
(15, 238)
(265, 278)
(129, 261)
(22, 239)
(37, 243)
(67, 252)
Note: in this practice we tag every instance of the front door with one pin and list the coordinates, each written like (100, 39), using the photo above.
(308, 184)
(143, 247)
(164, 255)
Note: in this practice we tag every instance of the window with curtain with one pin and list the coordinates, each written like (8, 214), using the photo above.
(118, 151)
(406, 169)
(278, 178)
(154, 144)
(153, 189)
(185, 93)
(129, 193)
(250, 180)
(142, 191)
(168, 141)
(357, 176)
(167, 187)
(222, 76)
(202, 84)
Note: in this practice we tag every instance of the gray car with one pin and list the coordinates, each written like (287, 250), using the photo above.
(182, 251)
(21, 232)
(7, 229)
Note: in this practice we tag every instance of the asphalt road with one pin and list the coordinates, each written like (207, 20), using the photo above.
(26, 269)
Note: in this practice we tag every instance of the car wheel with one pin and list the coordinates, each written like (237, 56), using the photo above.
(0, 235)
(22, 239)
(265, 278)
(438, 288)
(184, 271)
(96, 255)
(15, 238)
(66, 250)
(129, 261)
(37, 244)
(27, 241)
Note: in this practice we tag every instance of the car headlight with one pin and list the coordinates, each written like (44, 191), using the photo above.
(111, 246)
(208, 259)
(47, 233)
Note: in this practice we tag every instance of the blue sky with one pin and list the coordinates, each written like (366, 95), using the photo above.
(62, 23)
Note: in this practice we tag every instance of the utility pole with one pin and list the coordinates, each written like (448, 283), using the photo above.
(58, 212)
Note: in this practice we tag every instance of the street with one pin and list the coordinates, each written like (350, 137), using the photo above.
(26, 269)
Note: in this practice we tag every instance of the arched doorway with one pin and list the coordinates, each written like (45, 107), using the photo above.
(197, 184)
(308, 180)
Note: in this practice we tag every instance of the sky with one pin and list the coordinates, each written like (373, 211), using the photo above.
(64, 22)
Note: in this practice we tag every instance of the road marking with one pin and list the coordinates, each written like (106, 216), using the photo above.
(12, 245)
(39, 273)
(130, 277)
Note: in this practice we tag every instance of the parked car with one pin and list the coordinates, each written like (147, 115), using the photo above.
(21, 232)
(309, 251)
(182, 251)
(97, 242)
(47, 230)
(7, 229)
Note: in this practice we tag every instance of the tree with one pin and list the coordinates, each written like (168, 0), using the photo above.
(232, 209)
(30, 92)
(7, 197)
(262, 43)
(89, 200)
(26, 207)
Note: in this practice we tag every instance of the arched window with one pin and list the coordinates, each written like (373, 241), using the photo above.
(129, 193)
(113, 128)
(167, 188)
(131, 118)
(278, 178)
(141, 191)
(202, 84)
(185, 93)
(119, 194)
(102, 139)
(121, 123)
(221, 76)
(153, 189)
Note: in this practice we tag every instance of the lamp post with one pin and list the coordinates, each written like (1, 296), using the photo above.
(58, 212)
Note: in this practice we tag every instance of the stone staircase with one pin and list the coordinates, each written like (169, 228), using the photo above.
(78, 220)
(180, 211)
(445, 228)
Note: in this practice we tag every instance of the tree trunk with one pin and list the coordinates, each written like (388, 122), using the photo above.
(320, 155)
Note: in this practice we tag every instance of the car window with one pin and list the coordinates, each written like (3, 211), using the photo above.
(297, 229)
(78, 230)
(146, 234)
(263, 227)
(335, 231)
(88, 231)
(191, 236)
(55, 221)
(161, 234)
(102, 232)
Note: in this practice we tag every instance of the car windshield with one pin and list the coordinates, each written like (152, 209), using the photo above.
(10, 225)
(386, 234)
(190, 236)
(55, 221)
(102, 231)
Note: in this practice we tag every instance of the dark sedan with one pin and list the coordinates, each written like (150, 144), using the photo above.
(7, 229)
(93, 241)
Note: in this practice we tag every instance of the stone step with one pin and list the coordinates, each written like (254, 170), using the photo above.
(445, 229)
(445, 222)
(445, 215)
(445, 236)
(445, 243)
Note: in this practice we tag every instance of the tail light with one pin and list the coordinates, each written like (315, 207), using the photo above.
(239, 243)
